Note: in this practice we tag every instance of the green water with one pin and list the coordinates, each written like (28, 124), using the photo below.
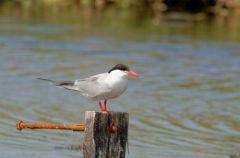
(185, 105)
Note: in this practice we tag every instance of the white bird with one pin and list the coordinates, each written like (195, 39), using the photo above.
(100, 87)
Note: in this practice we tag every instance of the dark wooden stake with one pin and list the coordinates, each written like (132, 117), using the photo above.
(106, 134)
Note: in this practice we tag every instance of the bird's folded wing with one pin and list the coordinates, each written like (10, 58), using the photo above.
(92, 86)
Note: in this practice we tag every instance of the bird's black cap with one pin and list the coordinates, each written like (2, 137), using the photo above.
(120, 67)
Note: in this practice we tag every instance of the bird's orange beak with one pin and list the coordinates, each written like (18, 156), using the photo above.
(133, 74)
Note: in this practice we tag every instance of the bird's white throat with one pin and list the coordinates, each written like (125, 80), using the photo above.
(117, 76)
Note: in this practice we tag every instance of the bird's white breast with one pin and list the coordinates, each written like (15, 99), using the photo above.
(117, 86)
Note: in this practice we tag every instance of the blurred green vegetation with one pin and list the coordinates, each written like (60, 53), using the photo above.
(153, 7)
(207, 18)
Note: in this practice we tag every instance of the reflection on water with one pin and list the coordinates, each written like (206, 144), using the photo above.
(186, 103)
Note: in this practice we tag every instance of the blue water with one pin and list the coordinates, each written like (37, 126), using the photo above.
(185, 103)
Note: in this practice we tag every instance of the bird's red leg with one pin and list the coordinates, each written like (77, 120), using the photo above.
(105, 105)
(100, 105)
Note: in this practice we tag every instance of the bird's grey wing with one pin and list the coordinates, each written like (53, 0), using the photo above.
(93, 86)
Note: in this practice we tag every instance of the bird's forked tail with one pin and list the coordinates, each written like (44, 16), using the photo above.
(58, 83)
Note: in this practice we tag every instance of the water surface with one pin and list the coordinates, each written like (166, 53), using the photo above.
(185, 105)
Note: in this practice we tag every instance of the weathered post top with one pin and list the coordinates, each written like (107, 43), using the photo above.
(106, 134)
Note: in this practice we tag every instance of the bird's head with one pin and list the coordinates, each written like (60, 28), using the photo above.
(122, 70)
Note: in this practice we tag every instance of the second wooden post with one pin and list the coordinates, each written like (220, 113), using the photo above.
(106, 134)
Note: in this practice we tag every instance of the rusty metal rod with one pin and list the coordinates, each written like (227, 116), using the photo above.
(74, 127)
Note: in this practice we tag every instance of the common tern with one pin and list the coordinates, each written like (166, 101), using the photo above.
(101, 87)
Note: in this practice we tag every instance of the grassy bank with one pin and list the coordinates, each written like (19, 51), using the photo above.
(213, 7)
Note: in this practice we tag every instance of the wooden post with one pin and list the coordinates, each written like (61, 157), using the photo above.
(106, 134)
